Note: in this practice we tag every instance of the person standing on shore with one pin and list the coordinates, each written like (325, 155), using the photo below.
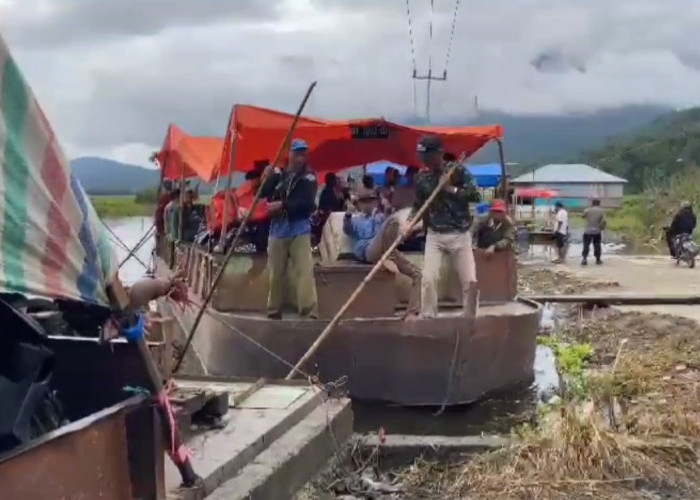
(447, 220)
(561, 232)
(593, 233)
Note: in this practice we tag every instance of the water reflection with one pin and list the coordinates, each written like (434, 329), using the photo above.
(130, 230)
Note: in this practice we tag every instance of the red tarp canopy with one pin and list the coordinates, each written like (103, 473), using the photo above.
(336, 145)
(535, 193)
(199, 156)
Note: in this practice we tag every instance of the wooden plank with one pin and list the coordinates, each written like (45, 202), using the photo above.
(619, 299)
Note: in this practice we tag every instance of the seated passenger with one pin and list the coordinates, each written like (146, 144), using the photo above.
(333, 199)
(404, 192)
(496, 231)
(374, 233)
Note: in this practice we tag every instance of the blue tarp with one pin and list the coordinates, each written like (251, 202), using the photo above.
(486, 176)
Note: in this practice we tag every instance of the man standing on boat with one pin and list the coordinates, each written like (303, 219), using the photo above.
(373, 233)
(292, 195)
(447, 221)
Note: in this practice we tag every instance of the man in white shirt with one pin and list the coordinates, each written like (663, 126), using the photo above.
(561, 232)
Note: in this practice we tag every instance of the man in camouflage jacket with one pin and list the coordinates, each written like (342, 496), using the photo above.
(447, 221)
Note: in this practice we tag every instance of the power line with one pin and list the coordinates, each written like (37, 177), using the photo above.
(429, 77)
(413, 54)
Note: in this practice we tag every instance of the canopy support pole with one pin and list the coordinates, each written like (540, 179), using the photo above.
(242, 226)
(380, 263)
(227, 191)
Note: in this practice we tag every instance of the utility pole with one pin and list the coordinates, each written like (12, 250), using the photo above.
(429, 78)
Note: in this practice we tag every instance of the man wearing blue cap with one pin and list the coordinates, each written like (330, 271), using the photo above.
(292, 195)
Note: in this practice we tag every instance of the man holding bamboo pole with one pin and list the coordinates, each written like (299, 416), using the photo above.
(293, 200)
(447, 222)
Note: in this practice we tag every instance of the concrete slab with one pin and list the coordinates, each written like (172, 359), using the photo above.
(289, 463)
(217, 455)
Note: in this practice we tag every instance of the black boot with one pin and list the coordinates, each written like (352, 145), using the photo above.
(598, 261)
(584, 262)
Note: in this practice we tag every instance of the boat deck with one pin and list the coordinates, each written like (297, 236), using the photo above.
(510, 308)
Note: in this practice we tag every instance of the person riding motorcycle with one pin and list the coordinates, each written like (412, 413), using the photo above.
(684, 222)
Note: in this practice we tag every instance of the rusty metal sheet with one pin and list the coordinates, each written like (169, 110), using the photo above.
(85, 464)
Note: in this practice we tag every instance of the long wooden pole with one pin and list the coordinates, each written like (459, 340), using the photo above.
(176, 451)
(241, 228)
(417, 217)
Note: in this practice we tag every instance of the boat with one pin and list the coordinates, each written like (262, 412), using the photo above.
(439, 361)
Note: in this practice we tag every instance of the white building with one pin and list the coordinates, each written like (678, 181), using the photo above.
(576, 185)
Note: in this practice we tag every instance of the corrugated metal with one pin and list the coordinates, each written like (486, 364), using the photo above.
(575, 173)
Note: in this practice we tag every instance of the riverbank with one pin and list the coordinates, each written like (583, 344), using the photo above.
(626, 423)
(118, 206)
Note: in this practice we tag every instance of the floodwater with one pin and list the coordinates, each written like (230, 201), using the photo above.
(496, 414)
(130, 230)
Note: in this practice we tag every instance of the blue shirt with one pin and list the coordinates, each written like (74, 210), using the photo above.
(284, 227)
(362, 228)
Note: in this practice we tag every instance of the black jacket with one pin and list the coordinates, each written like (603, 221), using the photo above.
(296, 191)
(683, 222)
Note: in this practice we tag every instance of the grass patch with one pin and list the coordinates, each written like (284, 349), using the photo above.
(630, 429)
(120, 206)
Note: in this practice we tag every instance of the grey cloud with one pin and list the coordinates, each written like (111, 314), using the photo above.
(36, 24)
(359, 52)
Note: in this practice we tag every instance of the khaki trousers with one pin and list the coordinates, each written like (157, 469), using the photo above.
(380, 243)
(281, 253)
(458, 246)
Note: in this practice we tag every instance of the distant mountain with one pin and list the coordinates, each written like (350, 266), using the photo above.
(103, 176)
(663, 148)
(529, 140)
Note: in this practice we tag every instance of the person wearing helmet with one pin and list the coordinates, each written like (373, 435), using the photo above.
(684, 222)
(496, 231)
(292, 195)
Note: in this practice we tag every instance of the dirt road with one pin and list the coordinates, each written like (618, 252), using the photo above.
(641, 274)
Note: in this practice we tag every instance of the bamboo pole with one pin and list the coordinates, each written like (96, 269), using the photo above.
(241, 228)
(329, 328)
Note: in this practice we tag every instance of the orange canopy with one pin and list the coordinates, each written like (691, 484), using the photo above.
(336, 145)
(199, 156)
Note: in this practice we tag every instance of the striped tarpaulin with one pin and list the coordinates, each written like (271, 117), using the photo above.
(52, 243)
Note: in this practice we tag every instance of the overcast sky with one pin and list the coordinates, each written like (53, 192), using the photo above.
(111, 74)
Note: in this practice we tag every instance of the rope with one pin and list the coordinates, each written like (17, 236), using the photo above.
(119, 242)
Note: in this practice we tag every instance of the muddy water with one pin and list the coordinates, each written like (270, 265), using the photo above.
(499, 413)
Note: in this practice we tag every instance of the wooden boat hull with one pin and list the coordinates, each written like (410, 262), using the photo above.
(384, 359)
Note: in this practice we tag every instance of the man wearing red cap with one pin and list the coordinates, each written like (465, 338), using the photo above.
(496, 231)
